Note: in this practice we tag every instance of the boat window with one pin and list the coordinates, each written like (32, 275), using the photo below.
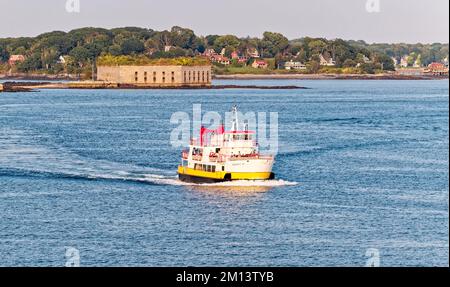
(213, 168)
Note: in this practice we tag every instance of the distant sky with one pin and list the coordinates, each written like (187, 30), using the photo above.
(409, 21)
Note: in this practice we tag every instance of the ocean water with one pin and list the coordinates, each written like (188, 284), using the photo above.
(361, 164)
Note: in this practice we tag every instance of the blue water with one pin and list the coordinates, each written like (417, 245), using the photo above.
(361, 164)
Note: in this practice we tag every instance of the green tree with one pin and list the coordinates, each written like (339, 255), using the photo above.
(32, 63)
(313, 66)
(274, 43)
(368, 68)
(115, 50)
(182, 37)
(4, 55)
(132, 46)
(385, 61)
(210, 39)
(349, 63)
(80, 55)
(317, 46)
(229, 42)
(49, 57)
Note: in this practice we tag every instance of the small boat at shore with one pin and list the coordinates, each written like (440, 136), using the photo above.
(219, 156)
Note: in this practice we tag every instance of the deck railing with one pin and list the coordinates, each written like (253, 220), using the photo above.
(222, 158)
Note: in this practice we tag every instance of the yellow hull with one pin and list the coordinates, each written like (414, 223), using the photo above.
(192, 175)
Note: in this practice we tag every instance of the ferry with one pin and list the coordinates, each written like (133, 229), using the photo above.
(220, 156)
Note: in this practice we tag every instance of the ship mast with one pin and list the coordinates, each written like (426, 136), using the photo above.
(235, 123)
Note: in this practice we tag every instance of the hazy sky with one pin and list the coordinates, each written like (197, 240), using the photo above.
(408, 21)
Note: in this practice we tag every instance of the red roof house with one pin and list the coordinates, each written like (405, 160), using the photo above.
(260, 64)
(437, 69)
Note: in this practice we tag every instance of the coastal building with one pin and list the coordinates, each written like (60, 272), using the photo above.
(219, 59)
(326, 61)
(61, 60)
(14, 59)
(168, 48)
(239, 58)
(291, 65)
(404, 61)
(437, 69)
(155, 75)
(209, 52)
(242, 59)
(260, 64)
(395, 61)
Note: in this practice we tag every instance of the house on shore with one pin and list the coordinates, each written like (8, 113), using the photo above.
(437, 69)
(239, 58)
(326, 61)
(156, 75)
(260, 64)
(220, 59)
(404, 62)
(61, 60)
(209, 53)
(395, 61)
(291, 65)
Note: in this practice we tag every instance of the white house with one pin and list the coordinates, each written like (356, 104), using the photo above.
(61, 60)
(366, 59)
(404, 61)
(395, 61)
(326, 62)
(168, 48)
(291, 65)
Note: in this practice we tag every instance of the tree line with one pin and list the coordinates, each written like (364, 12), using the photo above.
(81, 48)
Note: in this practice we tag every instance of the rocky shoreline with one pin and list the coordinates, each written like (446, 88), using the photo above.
(328, 77)
(33, 86)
